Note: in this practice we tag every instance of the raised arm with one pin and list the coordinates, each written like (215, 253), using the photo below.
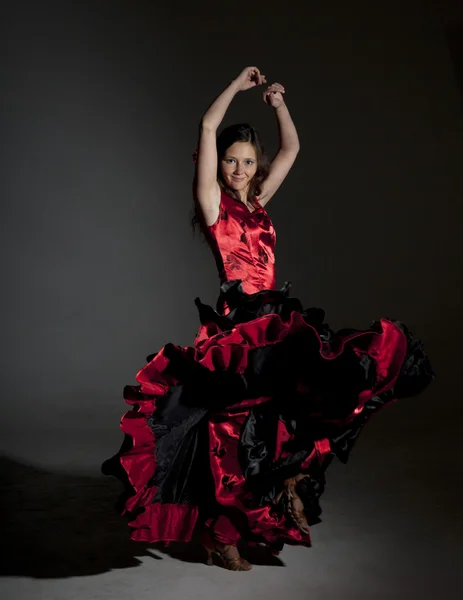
(289, 143)
(206, 188)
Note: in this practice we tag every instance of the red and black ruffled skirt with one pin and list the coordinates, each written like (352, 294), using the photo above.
(267, 392)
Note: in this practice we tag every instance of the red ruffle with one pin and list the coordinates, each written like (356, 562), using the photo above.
(229, 350)
(166, 522)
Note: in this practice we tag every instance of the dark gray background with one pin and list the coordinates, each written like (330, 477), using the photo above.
(102, 106)
(102, 102)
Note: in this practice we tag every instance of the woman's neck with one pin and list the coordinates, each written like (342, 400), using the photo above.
(244, 196)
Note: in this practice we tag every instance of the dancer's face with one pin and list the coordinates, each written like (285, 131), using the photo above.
(239, 165)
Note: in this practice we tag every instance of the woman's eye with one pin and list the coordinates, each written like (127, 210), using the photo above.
(232, 160)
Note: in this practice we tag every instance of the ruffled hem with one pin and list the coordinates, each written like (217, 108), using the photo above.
(389, 363)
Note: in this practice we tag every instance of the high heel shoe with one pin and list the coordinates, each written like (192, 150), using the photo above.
(296, 508)
(295, 505)
(230, 562)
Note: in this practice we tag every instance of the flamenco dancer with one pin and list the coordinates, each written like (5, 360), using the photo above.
(233, 435)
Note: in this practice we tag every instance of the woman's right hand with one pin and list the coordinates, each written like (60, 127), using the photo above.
(248, 78)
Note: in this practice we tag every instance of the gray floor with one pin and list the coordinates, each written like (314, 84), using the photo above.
(392, 526)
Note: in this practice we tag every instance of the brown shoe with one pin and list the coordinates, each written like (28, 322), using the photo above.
(296, 508)
(228, 555)
(295, 504)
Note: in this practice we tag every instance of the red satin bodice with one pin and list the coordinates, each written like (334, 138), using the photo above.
(243, 244)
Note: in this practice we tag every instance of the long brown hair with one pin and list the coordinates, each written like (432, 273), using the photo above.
(242, 132)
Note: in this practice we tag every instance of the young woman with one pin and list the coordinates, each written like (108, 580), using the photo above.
(233, 435)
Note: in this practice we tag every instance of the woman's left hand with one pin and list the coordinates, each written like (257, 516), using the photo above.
(273, 95)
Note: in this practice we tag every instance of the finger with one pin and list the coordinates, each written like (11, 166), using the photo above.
(253, 74)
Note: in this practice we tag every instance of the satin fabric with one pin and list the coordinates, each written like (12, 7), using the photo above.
(267, 391)
(243, 244)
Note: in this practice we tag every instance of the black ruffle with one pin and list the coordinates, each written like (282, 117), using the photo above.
(415, 375)
(337, 383)
(178, 422)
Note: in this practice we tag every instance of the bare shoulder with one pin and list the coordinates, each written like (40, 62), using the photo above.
(208, 201)
(262, 200)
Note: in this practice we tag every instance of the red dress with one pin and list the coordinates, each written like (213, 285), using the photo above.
(267, 391)
(243, 245)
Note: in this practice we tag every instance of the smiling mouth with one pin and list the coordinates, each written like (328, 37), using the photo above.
(237, 178)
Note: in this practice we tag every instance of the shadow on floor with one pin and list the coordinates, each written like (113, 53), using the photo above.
(58, 525)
